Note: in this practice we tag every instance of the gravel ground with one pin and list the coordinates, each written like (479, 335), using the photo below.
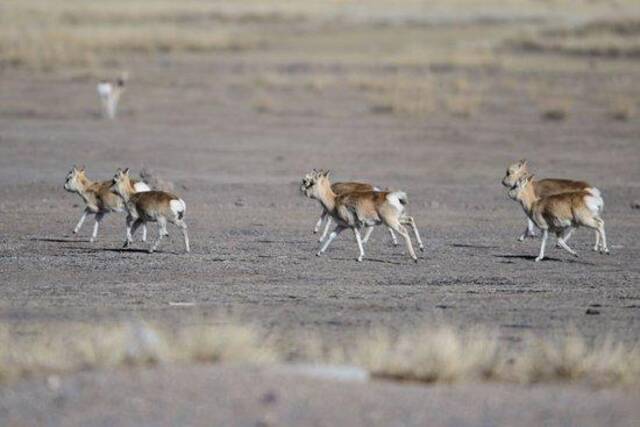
(253, 254)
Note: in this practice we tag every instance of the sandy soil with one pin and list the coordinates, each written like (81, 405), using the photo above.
(253, 258)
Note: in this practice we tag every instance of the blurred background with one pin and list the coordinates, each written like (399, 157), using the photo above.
(407, 58)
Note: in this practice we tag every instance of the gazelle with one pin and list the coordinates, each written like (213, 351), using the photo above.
(109, 93)
(543, 188)
(150, 206)
(342, 188)
(561, 213)
(361, 209)
(98, 198)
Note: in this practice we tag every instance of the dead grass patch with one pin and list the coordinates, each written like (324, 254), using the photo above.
(421, 97)
(432, 355)
(602, 38)
(446, 355)
(74, 347)
(622, 108)
(49, 35)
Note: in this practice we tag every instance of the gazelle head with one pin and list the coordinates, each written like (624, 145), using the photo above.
(75, 179)
(313, 181)
(514, 173)
(517, 191)
(121, 184)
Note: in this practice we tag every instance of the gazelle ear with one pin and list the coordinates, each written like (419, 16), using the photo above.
(530, 178)
(522, 162)
(126, 171)
(81, 168)
(327, 173)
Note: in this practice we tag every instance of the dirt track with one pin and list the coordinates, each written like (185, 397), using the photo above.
(253, 251)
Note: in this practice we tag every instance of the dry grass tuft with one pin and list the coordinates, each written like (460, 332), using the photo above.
(264, 104)
(555, 109)
(446, 355)
(420, 97)
(76, 347)
(440, 355)
(622, 109)
(603, 38)
(50, 35)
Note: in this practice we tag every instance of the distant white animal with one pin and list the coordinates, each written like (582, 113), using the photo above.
(109, 93)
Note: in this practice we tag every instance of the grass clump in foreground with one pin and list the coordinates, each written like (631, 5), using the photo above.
(434, 355)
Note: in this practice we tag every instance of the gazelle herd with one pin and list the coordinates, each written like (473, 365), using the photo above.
(551, 205)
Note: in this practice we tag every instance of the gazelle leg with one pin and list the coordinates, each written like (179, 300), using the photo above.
(96, 226)
(326, 229)
(144, 232)
(530, 231)
(603, 247)
(82, 218)
(356, 232)
(183, 225)
(565, 237)
(562, 241)
(320, 220)
(545, 236)
(367, 234)
(162, 231)
(393, 236)
(134, 227)
(405, 234)
(596, 247)
(409, 220)
(339, 229)
(129, 238)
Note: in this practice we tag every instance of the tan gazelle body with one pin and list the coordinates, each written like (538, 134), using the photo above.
(341, 188)
(150, 206)
(542, 188)
(98, 198)
(360, 210)
(561, 213)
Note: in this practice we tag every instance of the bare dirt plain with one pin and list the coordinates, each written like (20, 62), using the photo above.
(236, 155)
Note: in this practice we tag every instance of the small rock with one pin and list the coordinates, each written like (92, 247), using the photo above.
(239, 203)
(591, 311)
(635, 204)
(269, 397)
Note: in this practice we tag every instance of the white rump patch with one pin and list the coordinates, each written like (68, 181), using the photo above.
(377, 189)
(177, 206)
(596, 193)
(394, 199)
(141, 187)
(594, 204)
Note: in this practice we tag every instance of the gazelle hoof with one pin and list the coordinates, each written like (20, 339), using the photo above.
(318, 253)
(538, 259)
(359, 259)
(421, 248)
(521, 238)
(415, 260)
